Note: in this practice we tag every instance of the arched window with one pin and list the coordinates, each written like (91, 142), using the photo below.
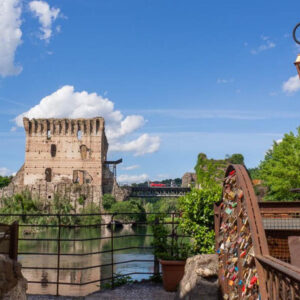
(53, 150)
(49, 134)
(48, 174)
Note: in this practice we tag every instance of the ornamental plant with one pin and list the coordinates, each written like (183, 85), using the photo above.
(167, 246)
(197, 219)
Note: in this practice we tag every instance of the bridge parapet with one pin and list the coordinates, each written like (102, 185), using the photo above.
(146, 192)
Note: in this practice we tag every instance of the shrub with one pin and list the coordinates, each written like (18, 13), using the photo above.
(133, 206)
(107, 201)
(197, 218)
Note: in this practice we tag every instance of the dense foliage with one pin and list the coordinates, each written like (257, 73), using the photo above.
(161, 205)
(210, 171)
(254, 173)
(107, 201)
(5, 181)
(197, 218)
(280, 168)
(236, 158)
(25, 205)
(134, 207)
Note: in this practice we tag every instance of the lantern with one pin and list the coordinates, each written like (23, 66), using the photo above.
(297, 64)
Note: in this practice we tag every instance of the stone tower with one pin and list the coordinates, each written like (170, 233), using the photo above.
(64, 151)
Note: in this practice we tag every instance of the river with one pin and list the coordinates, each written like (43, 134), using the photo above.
(79, 247)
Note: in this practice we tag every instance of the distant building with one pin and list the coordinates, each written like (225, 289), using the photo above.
(189, 179)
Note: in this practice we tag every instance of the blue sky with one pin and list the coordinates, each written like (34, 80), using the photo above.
(196, 76)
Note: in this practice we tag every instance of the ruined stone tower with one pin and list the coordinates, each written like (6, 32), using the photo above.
(64, 150)
(65, 157)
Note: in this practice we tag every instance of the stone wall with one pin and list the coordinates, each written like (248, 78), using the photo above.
(189, 180)
(13, 285)
(68, 150)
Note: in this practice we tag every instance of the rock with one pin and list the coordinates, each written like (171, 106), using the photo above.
(200, 280)
(12, 283)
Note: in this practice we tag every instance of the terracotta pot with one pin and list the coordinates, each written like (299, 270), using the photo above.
(173, 271)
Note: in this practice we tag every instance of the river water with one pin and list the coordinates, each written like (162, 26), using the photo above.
(79, 247)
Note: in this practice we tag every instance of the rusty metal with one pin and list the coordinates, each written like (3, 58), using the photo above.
(57, 265)
(294, 247)
(245, 207)
(281, 220)
(283, 279)
(58, 255)
(294, 33)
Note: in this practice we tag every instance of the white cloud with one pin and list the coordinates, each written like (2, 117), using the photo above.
(267, 44)
(5, 172)
(66, 103)
(125, 178)
(10, 36)
(46, 15)
(129, 168)
(142, 145)
(291, 85)
(224, 81)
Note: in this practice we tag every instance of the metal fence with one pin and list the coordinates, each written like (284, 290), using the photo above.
(282, 279)
(108, 222)
(281, 220)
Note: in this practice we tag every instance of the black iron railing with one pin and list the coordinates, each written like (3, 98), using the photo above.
(108, 222)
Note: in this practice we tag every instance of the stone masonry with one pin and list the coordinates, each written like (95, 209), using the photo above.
(65, 156)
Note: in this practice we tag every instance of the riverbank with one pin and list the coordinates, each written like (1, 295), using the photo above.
(132, 291)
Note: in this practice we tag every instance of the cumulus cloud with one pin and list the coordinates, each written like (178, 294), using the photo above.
(5, 172)
(66, 103)
(10, 36)
(291, 85)
(142, 145)
(129, 168)
(266, 45)
(46, 15)
(125, 178)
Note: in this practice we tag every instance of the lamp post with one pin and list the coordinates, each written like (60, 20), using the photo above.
(297, 62)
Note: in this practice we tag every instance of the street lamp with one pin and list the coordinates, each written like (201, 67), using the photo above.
(297, 62)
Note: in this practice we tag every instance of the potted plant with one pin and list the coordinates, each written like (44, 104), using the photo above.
(172, 253)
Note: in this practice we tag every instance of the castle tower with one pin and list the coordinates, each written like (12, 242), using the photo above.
(71, 151)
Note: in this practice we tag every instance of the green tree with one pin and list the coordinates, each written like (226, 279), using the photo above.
(236, 158)
(197, 218)
(209, 170)
(5, 181)
(280, 168)
(134, 207)
(107, 201)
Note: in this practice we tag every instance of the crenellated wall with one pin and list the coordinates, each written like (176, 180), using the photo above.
(64, 150)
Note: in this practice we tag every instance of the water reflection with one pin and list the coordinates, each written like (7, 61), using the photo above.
(46, 276)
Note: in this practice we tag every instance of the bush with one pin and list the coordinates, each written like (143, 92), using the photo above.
(91, 208)
(133, 206)
(107, 201)
(197, 218)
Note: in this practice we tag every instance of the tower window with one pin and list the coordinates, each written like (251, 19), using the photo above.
(48, 174)
(53, 150)
(79, 135)
(49, 134)
(83, 151)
